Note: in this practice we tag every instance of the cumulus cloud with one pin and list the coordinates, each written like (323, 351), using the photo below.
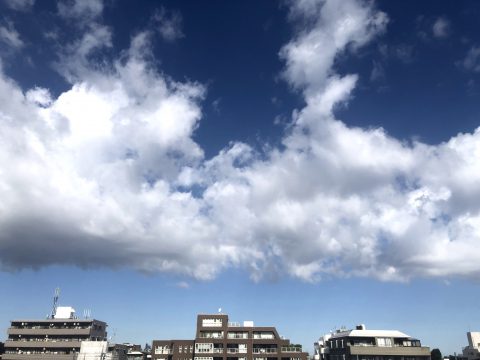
(325, 33)
(108, 174)
(441, 28)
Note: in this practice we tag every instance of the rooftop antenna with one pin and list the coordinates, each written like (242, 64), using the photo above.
(87, 313)
(55, 303)
(112, 337)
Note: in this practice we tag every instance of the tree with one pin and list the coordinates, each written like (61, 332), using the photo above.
(435, 354)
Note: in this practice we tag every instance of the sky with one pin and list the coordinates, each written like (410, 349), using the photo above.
(303, 164)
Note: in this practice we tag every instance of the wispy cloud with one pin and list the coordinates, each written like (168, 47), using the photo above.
(183, 285)
(20, 5)
(83, 11)
(10, 36)
(378, 72)
(471, 62)
(169, 24)
(441, 28)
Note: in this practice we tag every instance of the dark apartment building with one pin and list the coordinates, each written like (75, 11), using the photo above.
(59, 337)
(218, 339)
(363, 344)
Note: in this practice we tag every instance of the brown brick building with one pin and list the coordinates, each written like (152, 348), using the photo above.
(218, 339)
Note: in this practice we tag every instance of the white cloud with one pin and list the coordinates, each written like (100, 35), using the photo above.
(441, 27)
(169, 24)
(183, 285)
(108, 174)
(20, 5)
(10, 36)
(83, 11)
(76, 58)
(311, 54)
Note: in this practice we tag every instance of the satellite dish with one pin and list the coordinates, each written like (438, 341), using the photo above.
(219, 310)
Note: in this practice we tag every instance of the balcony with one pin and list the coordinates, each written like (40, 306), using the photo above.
(210, 336)
(264, 350)
(49, 331)
(42, 344)
(234, 324)
(41, 356)
(237, 336)
(389, 350)
(236, 351)
(294, 349)
(163, 351)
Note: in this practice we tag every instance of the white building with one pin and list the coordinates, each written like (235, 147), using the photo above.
(363, 344)
(472, 351)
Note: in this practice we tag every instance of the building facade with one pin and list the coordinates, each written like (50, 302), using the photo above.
(56, 338)
(362, 344)
(472, 351)
(218, 339)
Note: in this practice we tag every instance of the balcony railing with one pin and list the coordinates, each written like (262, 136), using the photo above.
(264, 350)
(291, 349)
(363, 344)
(210, 336)
(218, 350)
(238, 336)
(234, 324)
(263, 336)
(164, 351)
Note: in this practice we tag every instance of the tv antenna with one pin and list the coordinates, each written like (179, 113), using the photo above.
(55, 302)
(87, 313)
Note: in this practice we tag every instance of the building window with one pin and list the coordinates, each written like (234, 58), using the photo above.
(384, 342)
(204, 348)
(212, 322)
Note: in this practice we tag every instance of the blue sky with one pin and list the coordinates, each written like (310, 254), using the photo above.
(161, 159)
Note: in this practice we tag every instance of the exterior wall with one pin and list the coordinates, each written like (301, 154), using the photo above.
(368, 348)
(173, 349)
(390, 351)
(474, 339)
(217, 339)
(50, 338)
(472, 351)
